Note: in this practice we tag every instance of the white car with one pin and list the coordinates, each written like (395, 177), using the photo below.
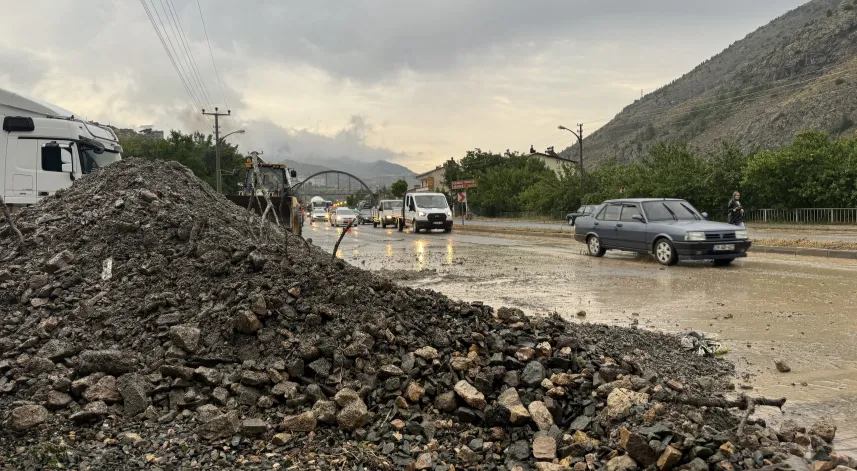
(342, 216)
(318, 214)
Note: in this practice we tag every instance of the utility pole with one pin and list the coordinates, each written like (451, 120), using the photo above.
(217, 115)
(579, 136)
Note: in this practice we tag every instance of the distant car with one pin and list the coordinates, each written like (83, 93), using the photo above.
(342, 216)
(318, 214)
(584, 210)
(669, 229)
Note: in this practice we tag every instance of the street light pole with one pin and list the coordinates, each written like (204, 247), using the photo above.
(217, 156)
(579, 136)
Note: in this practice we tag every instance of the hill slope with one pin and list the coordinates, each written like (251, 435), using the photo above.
(797, 73)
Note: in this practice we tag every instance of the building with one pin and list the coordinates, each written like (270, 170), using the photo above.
(554, 161)
(433, 180)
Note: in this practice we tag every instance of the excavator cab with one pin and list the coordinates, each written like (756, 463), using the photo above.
(276, 179)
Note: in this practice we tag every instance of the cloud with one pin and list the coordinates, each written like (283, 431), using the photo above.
(414, 82)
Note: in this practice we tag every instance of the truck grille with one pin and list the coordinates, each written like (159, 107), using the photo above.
(437, 217)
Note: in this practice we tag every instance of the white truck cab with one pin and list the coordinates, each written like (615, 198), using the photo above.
(426, 211)
(43, 149)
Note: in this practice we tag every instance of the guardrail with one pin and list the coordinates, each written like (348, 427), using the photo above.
(804, 215)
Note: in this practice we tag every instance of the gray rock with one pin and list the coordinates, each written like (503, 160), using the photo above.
(58, 261)
(134, 392)
(247, 323)
(26, 417)
(176, 371)
(221, 426)
(518, 451)
(112, 362)
(220, 396)
(253, 427)
(544, 447)
(209, 376)
(389, 371)
(281, 439)
(470, 395)
(446, 402)
(106, 389)
(541, 415)
(325, 411)
(626, 463)
(38, 365)
(254, 378)
(185, 337)
(510, 401)
(91, 412)
(56, 350)
(78, 386)
(305, 422)
(424, 461)
(782, 366)
(345, 396)
(533, 374)
(353, 416)
(206, 412)
(57, 400)
(824, 429)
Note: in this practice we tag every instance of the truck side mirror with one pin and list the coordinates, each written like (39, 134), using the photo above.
(294, 173)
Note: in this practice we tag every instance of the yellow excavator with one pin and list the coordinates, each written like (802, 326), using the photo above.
(277, 180)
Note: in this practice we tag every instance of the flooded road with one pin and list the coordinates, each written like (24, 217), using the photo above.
(763, 308)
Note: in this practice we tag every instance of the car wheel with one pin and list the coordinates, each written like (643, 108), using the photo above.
(416, 229)
(595, 247)
(383, 224)
(724, 262)
(665, 252)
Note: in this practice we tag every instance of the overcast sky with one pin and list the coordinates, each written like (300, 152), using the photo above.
(406, 81)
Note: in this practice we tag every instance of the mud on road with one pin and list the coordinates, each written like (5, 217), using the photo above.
(763, 308)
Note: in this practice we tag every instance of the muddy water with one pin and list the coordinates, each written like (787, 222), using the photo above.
(763, 308)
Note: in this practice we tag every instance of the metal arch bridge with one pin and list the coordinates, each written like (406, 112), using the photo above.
(296, 188)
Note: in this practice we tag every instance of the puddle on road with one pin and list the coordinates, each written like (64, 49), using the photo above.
(762, 309)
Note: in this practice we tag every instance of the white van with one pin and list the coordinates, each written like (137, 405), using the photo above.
(387, 213)
(426, 211)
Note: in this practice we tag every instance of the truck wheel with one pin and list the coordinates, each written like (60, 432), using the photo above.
(416, 229)
(383, 224)
(374, 223)
(401, 224)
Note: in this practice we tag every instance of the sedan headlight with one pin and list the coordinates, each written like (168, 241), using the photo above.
(741, 235)
(421, 214)
(694, 236)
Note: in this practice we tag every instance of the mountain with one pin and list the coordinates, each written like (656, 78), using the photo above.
(374, 174)
(797, 73)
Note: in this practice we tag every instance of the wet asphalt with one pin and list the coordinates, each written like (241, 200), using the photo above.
(762, 308)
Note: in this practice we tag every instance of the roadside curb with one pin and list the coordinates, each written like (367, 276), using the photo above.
(796, 251)
(805, 252)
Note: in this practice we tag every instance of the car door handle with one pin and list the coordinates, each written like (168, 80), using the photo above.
(618, 225)
(595, 224)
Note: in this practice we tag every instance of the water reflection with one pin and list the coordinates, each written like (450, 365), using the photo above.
(390, 250)
(421, 254)
(449, 253)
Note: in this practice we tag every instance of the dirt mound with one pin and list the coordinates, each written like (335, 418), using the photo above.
(149, 321)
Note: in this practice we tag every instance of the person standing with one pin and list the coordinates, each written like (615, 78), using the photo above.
(735, 210)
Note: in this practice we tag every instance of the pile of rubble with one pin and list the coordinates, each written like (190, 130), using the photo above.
(148, 321)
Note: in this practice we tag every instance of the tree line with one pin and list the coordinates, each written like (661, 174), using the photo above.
(813, 171)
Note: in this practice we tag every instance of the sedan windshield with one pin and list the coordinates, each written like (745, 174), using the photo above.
(670, 211)
(431, 201)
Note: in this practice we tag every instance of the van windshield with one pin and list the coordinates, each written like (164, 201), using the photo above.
(90, 161)
(431, 201)
(392, 204)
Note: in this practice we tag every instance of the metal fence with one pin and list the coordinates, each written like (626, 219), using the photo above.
(804, 215)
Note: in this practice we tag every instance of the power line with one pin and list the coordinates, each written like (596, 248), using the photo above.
(184, 64)
(216, 73)
(189, 53)
(166, 49)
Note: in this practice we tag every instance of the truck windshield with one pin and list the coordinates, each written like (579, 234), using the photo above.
(270, 179)
(90, 161)
(431, 201)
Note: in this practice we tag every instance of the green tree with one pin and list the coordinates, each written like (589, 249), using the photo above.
(399, 188)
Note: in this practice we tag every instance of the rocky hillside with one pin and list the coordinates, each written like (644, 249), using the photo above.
(797, 73)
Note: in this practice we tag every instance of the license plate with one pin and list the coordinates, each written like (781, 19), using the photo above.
(438, 222)
(724, 248)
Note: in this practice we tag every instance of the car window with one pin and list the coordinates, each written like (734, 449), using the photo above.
(611, 212)
(670, 210)
(628, 212)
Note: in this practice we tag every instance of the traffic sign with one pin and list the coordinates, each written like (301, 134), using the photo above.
(462, 196)
(464, 184)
